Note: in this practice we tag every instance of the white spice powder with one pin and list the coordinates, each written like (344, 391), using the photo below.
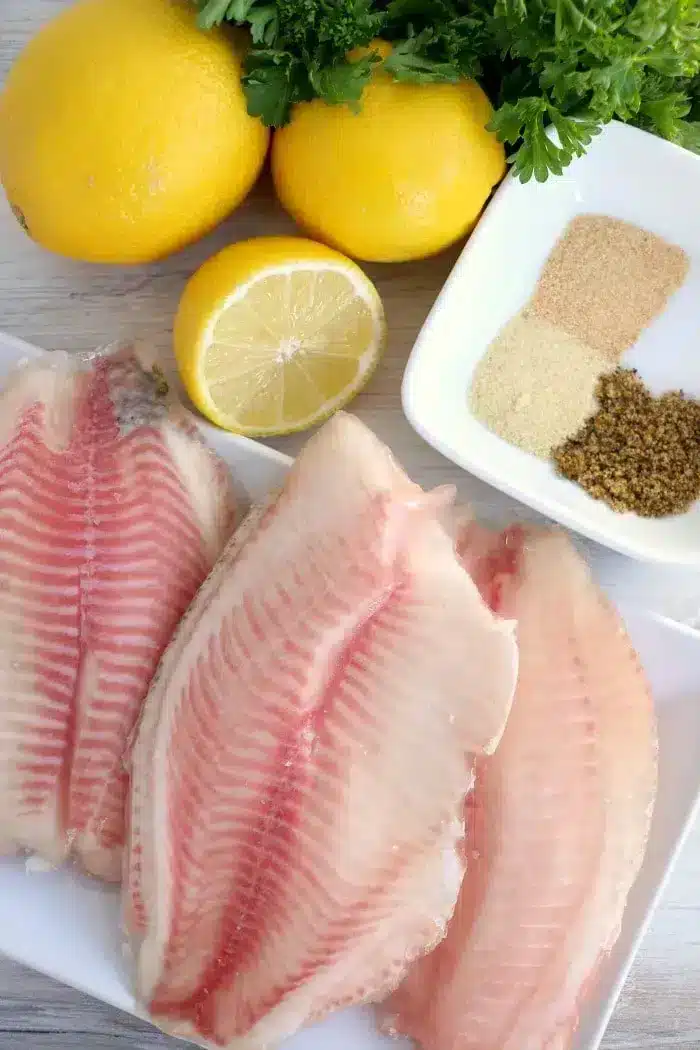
(535, 385)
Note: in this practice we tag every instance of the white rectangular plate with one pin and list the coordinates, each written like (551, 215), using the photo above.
(68, 927)
(627, 174)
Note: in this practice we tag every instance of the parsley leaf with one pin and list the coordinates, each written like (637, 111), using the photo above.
(343, 81)
(688, 135)
(525, 124)
(556, 70)
(215, 12)
(411, 61)
(273, 81)
(264, 24)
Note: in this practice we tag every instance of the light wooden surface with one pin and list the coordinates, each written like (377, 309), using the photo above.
(61, 305)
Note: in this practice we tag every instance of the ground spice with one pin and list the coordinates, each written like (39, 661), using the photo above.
(637, 452)
(606, 280)
(535, 385)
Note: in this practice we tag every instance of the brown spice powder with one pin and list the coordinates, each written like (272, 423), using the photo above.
(606, 280)
(638, 452)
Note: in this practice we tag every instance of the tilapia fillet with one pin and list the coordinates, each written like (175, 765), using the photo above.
(558, 820)
(112, 512)
(299, 770)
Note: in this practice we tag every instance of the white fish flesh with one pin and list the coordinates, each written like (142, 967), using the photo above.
(299, 770)
(112, 513)
(558, 820)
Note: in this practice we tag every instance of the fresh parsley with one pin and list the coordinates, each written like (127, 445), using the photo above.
(564, 66)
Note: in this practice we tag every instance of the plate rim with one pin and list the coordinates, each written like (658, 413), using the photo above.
(645, 552)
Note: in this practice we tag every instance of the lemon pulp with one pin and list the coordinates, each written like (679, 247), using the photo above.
(286, 347)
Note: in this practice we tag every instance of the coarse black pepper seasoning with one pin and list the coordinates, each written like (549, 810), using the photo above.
(637, 452)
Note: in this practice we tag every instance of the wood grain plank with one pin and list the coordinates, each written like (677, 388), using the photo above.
(67, 306)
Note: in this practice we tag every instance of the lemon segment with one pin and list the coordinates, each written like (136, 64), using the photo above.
(276, 334)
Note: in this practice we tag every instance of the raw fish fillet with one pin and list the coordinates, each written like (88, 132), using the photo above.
(558, 819)
(299, 770)
(112, 512)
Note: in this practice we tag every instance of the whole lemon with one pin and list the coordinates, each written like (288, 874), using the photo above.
(124, 133)
(401, 179)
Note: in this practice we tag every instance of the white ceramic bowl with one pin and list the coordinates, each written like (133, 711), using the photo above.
(627, 174)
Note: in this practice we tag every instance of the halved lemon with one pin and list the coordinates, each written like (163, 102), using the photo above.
(275, 334)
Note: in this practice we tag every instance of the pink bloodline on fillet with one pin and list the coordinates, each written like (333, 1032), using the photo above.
(279, 812)
(128, 531)
(52, 625)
